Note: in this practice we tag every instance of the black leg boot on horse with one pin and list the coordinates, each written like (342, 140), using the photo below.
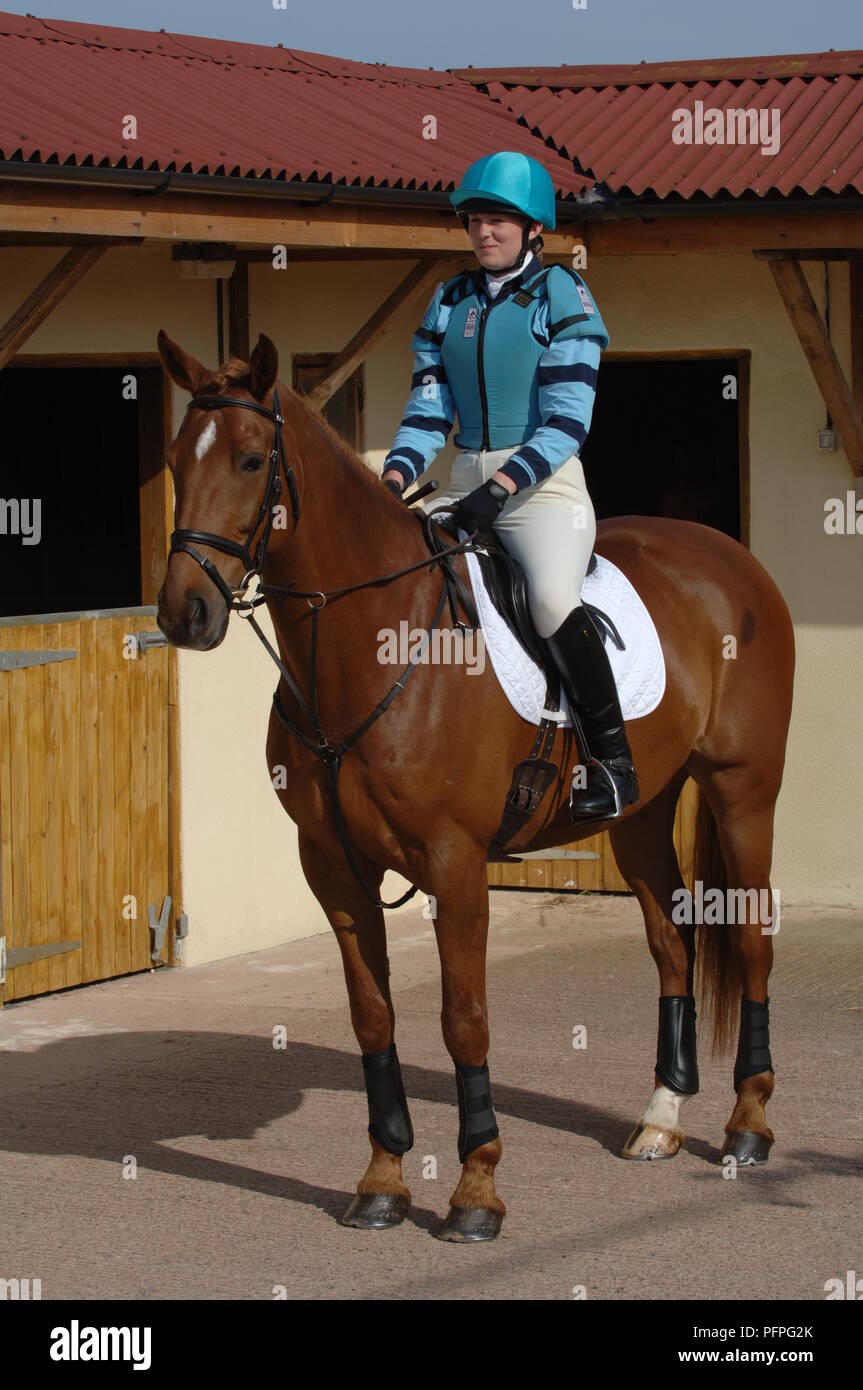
(610, 782)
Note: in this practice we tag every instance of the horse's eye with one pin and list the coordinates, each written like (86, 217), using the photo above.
(253, 463)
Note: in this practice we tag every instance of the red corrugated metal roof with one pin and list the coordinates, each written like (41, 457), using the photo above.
(212, 106)
(621, 132)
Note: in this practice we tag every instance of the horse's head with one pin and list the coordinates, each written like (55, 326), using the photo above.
(228, 474)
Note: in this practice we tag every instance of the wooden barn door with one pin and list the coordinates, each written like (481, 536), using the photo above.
(88, 797)
(85, 832)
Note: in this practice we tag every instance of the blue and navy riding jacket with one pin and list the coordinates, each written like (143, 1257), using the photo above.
(520, 370)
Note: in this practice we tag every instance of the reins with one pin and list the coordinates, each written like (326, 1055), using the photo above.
(330, 754)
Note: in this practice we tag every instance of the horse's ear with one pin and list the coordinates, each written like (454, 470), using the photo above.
(263, 366)
(181, 367)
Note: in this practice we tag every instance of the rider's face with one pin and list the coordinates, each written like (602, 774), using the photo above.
(496, 238)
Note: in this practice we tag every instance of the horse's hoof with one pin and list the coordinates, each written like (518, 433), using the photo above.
(647, 1142)
(471, 1224)
(748, 1148)
(375, 1211)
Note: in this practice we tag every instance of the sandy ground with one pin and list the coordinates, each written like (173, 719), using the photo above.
(247, 1155)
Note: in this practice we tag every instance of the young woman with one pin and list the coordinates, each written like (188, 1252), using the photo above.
(514, 350)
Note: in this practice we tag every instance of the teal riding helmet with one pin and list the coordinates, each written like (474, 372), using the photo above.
(511, 179)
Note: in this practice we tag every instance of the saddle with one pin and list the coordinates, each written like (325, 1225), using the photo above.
(507, 587)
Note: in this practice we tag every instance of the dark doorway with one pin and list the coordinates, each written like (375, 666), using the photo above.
(665, 440)
(74, 442)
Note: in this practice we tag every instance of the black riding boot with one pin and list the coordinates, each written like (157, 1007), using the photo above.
(611, 783)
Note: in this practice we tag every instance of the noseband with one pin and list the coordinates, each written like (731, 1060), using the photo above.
(180, 539)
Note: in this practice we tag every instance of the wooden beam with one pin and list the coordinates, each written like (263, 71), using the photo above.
(420, 281)
(265, 222)
(261, 222)
(856, 275)
(747, 232)
(238, 312)
(816, 253)
(330, 254)
(826, 368)
(61, 243)
(50, 291)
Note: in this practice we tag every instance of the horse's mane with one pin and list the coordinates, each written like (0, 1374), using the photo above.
(236, 372)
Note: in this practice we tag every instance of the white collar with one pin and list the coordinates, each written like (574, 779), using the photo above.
(494, 282)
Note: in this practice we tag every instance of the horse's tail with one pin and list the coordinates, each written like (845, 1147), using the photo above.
(718, 981)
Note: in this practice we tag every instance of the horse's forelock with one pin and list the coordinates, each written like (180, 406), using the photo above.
(234, 372)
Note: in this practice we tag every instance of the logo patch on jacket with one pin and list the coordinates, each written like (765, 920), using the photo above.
(470, 323)
(586, 301)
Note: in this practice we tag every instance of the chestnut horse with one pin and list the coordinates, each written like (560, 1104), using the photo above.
(422, 789)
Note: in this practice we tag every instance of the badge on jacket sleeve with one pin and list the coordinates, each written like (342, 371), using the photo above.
(586, 301)
(470, 323)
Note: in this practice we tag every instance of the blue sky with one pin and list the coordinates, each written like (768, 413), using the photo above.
(454, 33)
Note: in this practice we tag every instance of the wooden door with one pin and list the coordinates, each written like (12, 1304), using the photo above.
(86, 827)
(590, 864)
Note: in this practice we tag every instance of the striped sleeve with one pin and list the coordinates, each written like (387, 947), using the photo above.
(429, 413)
(568, 372)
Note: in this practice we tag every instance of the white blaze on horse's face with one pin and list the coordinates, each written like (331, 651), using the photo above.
(205, 439)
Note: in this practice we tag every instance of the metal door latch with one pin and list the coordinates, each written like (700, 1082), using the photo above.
(145, 641)
(157, 927)
(181, 931)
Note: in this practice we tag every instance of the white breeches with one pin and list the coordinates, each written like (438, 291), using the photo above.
(550, 528)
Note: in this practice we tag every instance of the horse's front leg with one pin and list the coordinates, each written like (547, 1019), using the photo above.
(382, 1198)
(460, 910)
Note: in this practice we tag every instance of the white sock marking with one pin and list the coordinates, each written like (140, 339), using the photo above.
(664, 1109)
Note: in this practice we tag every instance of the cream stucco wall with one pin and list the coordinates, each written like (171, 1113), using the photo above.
(731, 301)
(242, 884)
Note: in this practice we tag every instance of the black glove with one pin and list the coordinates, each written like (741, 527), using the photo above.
(394, 487)
(481, 507)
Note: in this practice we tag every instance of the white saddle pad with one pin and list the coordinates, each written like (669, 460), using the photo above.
(639, 670)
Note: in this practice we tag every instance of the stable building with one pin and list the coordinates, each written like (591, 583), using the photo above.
(218, 190)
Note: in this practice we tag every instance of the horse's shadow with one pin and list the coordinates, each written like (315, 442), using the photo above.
(132, 1093)
(115, 1094)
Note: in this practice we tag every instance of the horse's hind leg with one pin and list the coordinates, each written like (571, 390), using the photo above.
(743, 809)
(382, 1198)
(643, 846)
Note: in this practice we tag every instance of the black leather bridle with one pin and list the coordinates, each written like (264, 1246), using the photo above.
(180, 539)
